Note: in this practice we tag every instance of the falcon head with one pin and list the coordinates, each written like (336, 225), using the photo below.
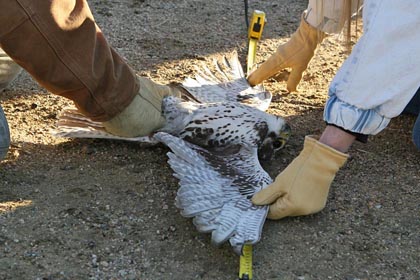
(275, 139)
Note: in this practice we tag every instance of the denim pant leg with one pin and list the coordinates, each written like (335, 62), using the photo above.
(413, 107)
(416, 133)
(4, 135)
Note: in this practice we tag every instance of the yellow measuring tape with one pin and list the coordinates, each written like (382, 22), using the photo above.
(245, 263)
(254, 34)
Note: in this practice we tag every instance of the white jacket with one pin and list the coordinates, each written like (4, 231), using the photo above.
(382, 73)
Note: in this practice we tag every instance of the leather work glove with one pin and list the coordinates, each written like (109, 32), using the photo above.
(295, 54)
(302, 188)
(144, 114)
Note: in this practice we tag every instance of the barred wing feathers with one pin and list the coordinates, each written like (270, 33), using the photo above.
(216, 188)
(226, 81)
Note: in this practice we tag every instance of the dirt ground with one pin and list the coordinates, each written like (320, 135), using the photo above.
(97, 209)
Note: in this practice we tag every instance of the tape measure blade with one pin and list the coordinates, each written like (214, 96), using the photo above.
(245, 263)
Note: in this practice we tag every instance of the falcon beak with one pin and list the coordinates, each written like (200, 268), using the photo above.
(271, 145)
(284, 136)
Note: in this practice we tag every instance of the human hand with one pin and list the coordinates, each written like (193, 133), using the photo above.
(302, 188)
(144, 114)
(295, 54)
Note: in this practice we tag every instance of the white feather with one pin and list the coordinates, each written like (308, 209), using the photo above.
(227, 82)
(219, 196)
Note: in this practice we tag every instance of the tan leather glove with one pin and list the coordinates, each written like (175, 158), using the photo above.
(302, 188)
(144, 114)
(295, 54)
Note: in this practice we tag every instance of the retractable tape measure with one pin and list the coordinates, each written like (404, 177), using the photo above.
(254, 34)
(245, 263)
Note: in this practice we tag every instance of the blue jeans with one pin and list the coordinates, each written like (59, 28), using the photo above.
(413, 107)
(4, 135)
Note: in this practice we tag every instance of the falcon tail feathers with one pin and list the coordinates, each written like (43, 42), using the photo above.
(73, 124)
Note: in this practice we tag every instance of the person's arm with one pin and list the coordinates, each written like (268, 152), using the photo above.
(60, 45)
(337, 138)
(295, 54)
(363, 99)
(321, 17)
(302, 188)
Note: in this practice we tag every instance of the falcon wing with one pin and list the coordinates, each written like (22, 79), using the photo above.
(226, 81)
(73, 124)
(216, 187)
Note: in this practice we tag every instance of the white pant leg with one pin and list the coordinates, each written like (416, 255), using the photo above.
(8, 70)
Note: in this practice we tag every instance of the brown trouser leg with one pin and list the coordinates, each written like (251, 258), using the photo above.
(59, 44)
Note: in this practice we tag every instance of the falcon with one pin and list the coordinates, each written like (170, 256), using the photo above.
(217, 132)
(219, 108)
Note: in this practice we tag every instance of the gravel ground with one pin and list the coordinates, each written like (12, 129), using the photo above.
(97, 209)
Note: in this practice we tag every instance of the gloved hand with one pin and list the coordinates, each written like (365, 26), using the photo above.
(302, 188)
(296, 54)
(144, 114)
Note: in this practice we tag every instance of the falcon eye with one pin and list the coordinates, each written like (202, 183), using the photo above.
(277, 144)
(271, 135)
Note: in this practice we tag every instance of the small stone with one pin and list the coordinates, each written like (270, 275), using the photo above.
(122, 272)
(94, 260)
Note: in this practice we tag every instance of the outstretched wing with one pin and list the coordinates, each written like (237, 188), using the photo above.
(216, 187)
(73, 124)
(226, 81)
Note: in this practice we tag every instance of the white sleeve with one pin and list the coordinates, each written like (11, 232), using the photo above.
(382, 73)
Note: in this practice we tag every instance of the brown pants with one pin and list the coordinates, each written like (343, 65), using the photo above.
(60, 45)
